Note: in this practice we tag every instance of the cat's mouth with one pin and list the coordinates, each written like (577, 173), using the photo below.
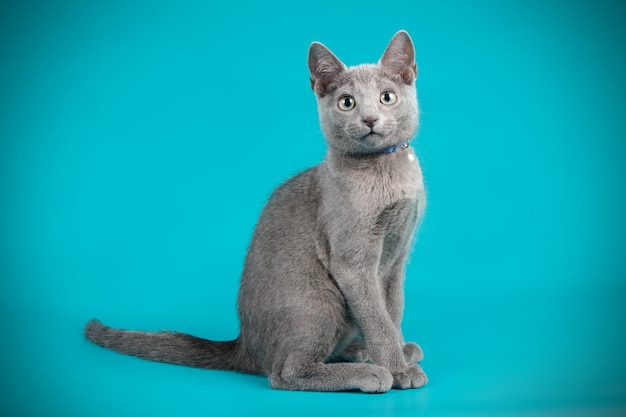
(371, 139)
(371, 135)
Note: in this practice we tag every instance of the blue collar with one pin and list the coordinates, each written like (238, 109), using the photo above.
(391, 149)
(394, 148)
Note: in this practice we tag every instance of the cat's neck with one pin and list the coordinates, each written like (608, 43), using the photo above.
(381, 178)
(399, 157)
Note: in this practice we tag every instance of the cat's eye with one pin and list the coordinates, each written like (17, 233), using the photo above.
(388, 98)
(346, 103)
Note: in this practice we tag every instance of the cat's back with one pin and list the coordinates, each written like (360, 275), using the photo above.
(292, 203)
(287, 224)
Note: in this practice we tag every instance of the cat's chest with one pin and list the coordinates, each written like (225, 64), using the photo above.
(385, 184)
(369, 213)
(363, 193)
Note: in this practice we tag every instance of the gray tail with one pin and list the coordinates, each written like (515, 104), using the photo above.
(169, 347)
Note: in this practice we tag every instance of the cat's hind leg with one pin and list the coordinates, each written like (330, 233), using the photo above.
(303, 358)
(308, 373)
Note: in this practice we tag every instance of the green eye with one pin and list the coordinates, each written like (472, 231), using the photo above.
(388, 98)
(346, 103)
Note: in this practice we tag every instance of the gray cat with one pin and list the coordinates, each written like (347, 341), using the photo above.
(321, 294)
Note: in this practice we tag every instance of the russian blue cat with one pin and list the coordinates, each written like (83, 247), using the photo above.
(321, 294)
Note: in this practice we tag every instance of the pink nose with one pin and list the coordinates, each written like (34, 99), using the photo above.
(370, 121)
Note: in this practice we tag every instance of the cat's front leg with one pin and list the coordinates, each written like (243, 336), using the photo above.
(394, 299)
(412, 352)
(362, 293)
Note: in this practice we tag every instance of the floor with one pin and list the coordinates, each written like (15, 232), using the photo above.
(546, 354)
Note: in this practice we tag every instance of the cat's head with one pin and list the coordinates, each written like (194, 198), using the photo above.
(369, 107)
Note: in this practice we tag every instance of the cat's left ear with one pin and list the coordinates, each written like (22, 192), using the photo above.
(399, 57)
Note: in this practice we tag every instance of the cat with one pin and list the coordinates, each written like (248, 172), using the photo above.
(321, 294)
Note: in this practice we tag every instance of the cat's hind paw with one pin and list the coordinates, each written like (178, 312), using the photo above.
(410, 377)
(379, 381)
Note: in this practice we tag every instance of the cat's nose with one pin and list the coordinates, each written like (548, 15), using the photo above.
(370, 121)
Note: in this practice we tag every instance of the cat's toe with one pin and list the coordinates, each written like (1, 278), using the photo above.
(401, 380)
(410, 377)
(380, 380)
(412, 352)
(418, 377)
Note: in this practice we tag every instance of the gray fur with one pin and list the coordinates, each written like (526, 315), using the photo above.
(321, 294)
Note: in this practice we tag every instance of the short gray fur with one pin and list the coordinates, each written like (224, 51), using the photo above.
(321, 295)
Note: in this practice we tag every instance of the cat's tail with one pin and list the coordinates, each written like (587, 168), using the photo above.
(171, 347)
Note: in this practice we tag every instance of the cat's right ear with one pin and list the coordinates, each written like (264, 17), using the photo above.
(324, 67)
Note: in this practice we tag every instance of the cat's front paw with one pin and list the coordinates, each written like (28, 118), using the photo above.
(410, 377)
(412, 352)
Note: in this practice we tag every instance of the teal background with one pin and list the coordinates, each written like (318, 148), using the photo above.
(139, 141)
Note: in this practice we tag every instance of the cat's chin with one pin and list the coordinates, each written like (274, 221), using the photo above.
(372, 143)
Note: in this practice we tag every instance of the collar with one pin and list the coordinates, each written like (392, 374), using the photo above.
(394, 148)
(385, 151)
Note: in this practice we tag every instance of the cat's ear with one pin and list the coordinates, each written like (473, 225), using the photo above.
(399, 57)
(324, 67)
